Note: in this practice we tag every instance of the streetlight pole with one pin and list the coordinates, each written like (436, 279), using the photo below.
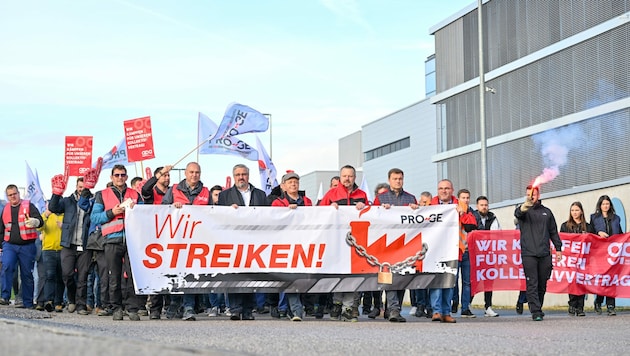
(482, 105)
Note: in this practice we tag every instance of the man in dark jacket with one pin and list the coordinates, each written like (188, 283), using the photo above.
(538, 227)
(242, 193)
(74, 255)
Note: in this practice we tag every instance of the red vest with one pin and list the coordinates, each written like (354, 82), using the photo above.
(26, 233)
(110, 200)
(202, 199)
(157, 197)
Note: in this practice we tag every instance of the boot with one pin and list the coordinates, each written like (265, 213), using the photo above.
(579, 312)
(598, 308)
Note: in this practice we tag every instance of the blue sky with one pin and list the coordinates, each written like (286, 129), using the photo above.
(321, 68)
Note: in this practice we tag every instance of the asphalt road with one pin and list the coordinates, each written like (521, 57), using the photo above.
(30, 332)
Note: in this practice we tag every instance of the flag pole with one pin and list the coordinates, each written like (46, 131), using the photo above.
(191, 151)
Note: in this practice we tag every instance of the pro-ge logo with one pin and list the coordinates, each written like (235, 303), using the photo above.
(419, 219)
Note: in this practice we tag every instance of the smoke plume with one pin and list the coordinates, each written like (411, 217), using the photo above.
(554, 146)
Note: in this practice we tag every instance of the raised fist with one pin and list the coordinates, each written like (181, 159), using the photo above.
(60, 182)
(91, 176)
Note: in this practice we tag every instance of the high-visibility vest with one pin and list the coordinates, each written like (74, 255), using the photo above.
(201, 199)
(110, 200)
(26, 233)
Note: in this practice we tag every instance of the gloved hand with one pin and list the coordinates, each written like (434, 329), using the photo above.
(91, 176)
(31, 223)
(60, 182)
(85, 193)
(527, 204)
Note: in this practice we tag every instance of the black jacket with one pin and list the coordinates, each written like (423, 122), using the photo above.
(233, 196)
(538, 227)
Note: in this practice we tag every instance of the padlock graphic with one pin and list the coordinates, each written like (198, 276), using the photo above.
(384, 277)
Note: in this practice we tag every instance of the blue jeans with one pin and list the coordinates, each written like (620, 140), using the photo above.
(24, 255)
(217, 300)
(422, 297)
(93, 287)
(464, 267)
(54, 287)
(441, 300)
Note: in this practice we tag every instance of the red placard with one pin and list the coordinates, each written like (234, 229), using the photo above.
(78, 157)
(139, 139)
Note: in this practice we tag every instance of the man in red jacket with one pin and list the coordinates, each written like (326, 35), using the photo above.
(346, 193)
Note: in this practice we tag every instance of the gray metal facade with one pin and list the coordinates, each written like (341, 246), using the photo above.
(560, 71)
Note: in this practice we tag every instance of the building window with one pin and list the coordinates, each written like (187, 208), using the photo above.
(387, 149)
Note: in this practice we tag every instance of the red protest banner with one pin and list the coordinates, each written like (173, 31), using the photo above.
(589, 264)
(139, 139)
(78, 155)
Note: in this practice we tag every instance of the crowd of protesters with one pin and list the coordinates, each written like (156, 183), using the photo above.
(77, 249)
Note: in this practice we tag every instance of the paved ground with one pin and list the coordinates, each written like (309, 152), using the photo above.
(29, 332)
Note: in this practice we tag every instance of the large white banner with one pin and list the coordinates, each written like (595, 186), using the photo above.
(171, 248)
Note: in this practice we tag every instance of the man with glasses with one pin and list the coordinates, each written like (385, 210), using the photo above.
(19, 223)
(109, 212)
(242, 193)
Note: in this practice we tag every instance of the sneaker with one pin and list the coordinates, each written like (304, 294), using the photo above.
(214, 311)
(133, 316)
(174, 311)
(143, 312)
(89, 308)
(346, 315)
(318, 312)
(374, 313)
(335, 313)
(117, 314)
(155, 316)
(490, 313)
(19, 304)
(537, 317)
(264, 310)
(598, 308)
(104, 312)
(227, 312)
(413, 310)
(571, 310)
(189, 315)
(355, 312)
(4, 301)
(83, 312)
(72, 307)
(579, 312)
(282, 314)
(468, 314)
(49, 307)
(39, 307)
(519, 308)
(611, 311)
(421, 313)
(296, 318)
(395, 317)
(366, 310)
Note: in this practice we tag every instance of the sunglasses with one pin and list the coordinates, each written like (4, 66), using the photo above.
(120, 175)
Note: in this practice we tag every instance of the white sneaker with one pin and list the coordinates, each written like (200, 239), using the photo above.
(490, 312)
(413, 310)
(214, 311)
(227, 312)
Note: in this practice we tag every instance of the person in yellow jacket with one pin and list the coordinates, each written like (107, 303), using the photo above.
(51, 256)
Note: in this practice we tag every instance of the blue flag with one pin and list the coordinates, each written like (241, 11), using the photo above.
(227, 145)
(239, 119)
